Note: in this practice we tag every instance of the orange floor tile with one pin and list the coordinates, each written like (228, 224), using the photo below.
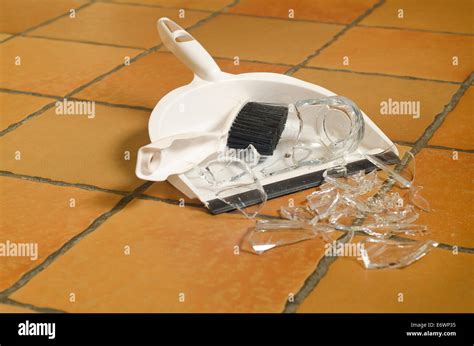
(124, 25)
(118, 244)
(169, 258)
(55, 67)
(45, 215)
(401, 52)
(18, 16)
(424, 15)
(93, 151)
(458, 130)
(336, 11)
(152, 77)
(263, 39)
(14, 107)
(369, 91)
(440, 282)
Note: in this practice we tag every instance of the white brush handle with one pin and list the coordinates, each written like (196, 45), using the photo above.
(188, 50)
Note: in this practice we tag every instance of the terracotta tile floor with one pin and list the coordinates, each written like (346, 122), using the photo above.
(115, 243)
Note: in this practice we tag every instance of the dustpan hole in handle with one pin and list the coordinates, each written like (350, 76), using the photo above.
(154, 160)
(184, 38)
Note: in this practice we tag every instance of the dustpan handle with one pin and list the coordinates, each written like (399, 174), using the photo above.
(188, 50)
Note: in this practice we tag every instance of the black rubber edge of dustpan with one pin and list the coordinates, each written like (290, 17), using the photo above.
(299, 183)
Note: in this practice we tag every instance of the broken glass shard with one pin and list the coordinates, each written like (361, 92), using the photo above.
(298, 213)
(418, 200)
(379, 254)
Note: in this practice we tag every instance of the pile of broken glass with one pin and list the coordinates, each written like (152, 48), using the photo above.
(377, 206)
(358, 204)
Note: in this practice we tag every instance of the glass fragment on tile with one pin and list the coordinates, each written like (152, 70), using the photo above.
(363, 182)
(343, 215)
(402, 173)
(385, 231)
(406, 214)
(269, 234)
(380, 254)
(356, 183)
(298, 213)
(270, 225)
(418, 200)
(389, 200)
(323, 202)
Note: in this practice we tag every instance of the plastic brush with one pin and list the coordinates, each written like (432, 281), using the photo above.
(259, 124)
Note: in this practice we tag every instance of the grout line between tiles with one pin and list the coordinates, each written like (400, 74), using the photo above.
(171, 201)
(414, 30)
(438, 120)
(289, 19)
(123, 3)
(349, 26)
(42, 309)
(113, 45)
(214, 14)
(89, 187)
(115, 105)
(229, 14)
(284, 19)
(49, 21)
(443, 246)
(28, 118)
(30, 93)
(71, 242)
(439, 147)
(312, 281)
(110, 72)
(61, 183)
(449, 247)
(59, 98)
(380, 74)
(325, 262)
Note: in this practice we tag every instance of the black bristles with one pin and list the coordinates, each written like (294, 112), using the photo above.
(258, 124)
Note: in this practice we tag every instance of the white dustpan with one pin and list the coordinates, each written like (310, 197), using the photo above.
(195, 118)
